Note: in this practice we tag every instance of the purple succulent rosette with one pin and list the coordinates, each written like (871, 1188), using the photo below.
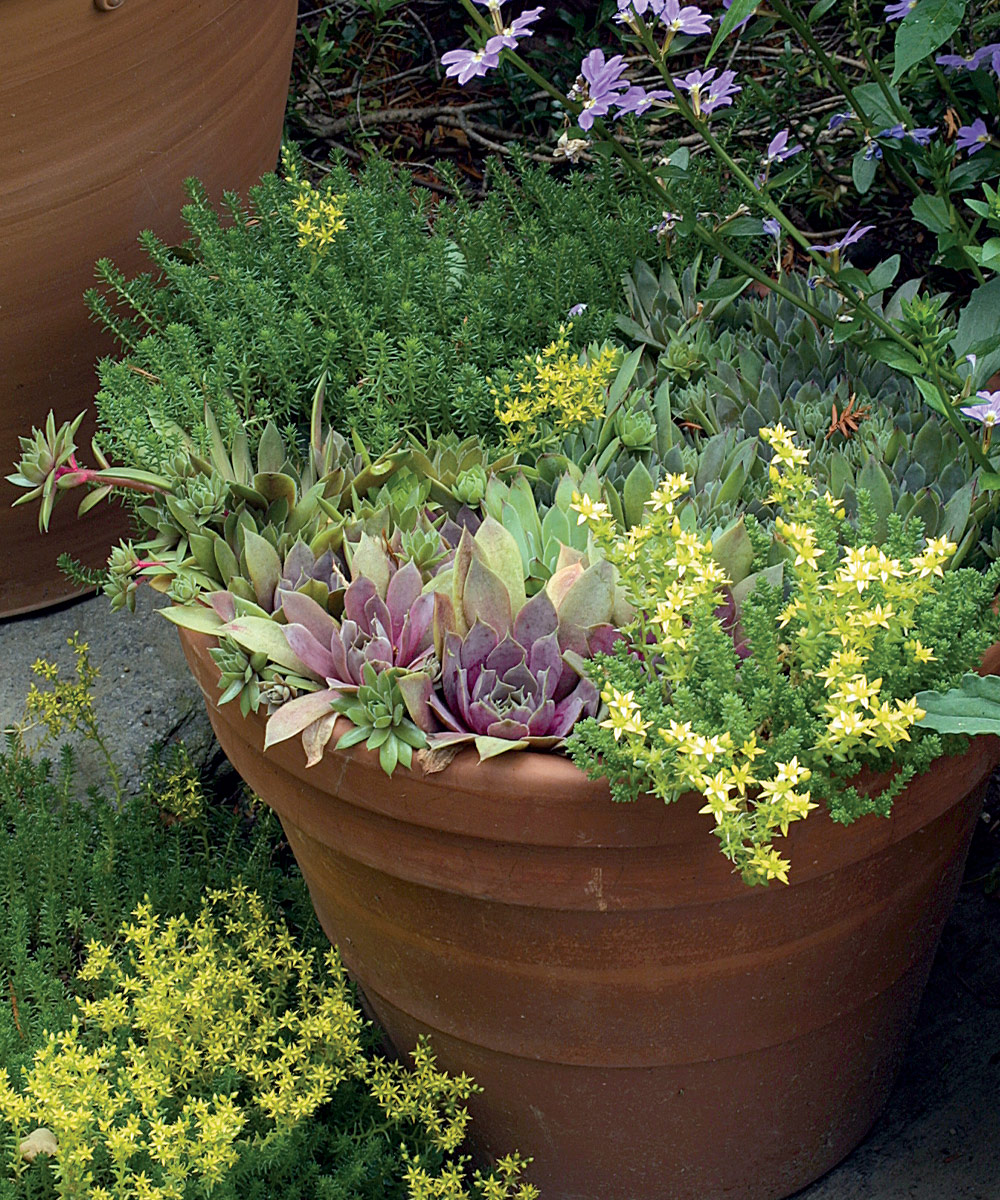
(387, 632)
(508, 688)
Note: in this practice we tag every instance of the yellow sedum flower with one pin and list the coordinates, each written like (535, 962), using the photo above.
(555, 393)
(225, 996)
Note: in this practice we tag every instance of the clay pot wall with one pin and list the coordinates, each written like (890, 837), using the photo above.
(105, 108)
(643, 1024)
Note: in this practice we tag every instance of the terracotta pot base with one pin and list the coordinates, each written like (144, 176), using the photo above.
(643, 1024)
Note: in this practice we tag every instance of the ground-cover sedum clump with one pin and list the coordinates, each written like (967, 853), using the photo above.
(407, 302)
(206, 1043)
(171, 1026)
(770, 703)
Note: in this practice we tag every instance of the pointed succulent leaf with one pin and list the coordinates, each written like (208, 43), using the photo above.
(263, 567)
(563, 578)
(224, 604)
(264, 636)
(872, 479)
(312, 653)
(537, 619)
(498, 550)
(220, 457)
(956, 512)
(274, 485)
(298, 714)
(416, 688)
(522, 500)
(637, 490)
(315, 737)
(195, 617)
(368, 559)
(203, 548)
(226, 561)
(486, 598)
(733, 551)
(242, 465)
(402, 594)
(512, 523)
(271, 451)
(590, 598)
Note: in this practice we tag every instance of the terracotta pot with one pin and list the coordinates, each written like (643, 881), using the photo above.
(643, 1023)
(107, 107)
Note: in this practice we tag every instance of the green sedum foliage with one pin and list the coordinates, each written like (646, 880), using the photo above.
(405, 302)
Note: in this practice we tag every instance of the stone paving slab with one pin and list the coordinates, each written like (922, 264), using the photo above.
(939, 1138)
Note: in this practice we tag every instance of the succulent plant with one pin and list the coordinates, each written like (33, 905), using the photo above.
(379, 719)
(455, 471)
(542, 536)
(510, 667)
(504, 686)
(678, 318)
(252, 678)
(387, 624)
(865, 425)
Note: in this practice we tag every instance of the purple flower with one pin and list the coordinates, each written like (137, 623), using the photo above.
(899, 9)
(604, 86)
(466, 64)
(988, 412)
(989, 54)
(856, 232)
(688, 19)
(957, 62)
(778, 149)
(838, 119)
(972, 137)
(708, 93)
(626, 8)
(772, 226)
(518, 28)
(666, 226)
(872, 150)
(637, 100)
(577, 310)
(899, 131)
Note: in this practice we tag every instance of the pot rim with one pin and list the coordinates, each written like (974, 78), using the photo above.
(545, 798)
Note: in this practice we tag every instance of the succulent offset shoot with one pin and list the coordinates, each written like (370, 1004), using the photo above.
(48, 465)
(378, 718)
(253, 679)
(456, 472)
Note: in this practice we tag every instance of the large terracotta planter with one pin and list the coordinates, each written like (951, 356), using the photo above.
(643, 1023)
(108, 105)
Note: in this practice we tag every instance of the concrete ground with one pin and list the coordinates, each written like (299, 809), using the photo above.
(939, 1138)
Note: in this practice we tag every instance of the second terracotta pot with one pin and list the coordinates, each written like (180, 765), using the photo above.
(643, 1024)
(107, 109)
